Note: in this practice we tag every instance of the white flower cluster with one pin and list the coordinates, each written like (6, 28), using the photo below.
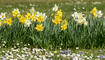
(80, 18)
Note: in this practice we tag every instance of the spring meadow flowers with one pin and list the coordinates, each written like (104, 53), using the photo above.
(53, 29)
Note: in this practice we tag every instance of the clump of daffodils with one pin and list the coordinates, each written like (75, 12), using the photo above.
(96, 13)
(58, 17)
(79, 17)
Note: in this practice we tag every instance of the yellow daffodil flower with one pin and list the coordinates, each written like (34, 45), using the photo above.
(40, 19)
(63, 27)
(28, 16)
(9, 21)
(39, 27)
(22, 19)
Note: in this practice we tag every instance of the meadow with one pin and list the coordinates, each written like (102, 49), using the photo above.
(52, 30)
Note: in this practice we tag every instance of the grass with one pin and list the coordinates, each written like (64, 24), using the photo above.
(66, 5)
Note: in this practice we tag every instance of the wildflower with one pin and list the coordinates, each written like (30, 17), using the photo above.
(75, 16)
(18, 15)
(33, 17)
(28, 16)
(63, 27)
(59, 13)
(96, 13)
(9, 21)
(80, 21)
(99, 14)
(55, 8)
(40, 19)
(15, 12)
(27, 23)
(94, 10)
(32, 10)
(2, 16)
(64, 22)
(22, 19)
(100, 50)
(57, 21)
(39, 27)
(80, 15)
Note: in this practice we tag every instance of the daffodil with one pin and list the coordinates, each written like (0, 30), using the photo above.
(96, 13)
(39, 27)
(64, 22)
(32, 10)
(79, 17)
(59, 13)
(28, 16)
(9, 21)
(22, 19)
(80, 21)
(18, 15)
(15, 12)
(63, 27)
(57, 21)
(94, 10)
(55, 8)
(33, 17)
(2, 16)
(99, 14)
(27, 23)
(40, 19)
(75, 16)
